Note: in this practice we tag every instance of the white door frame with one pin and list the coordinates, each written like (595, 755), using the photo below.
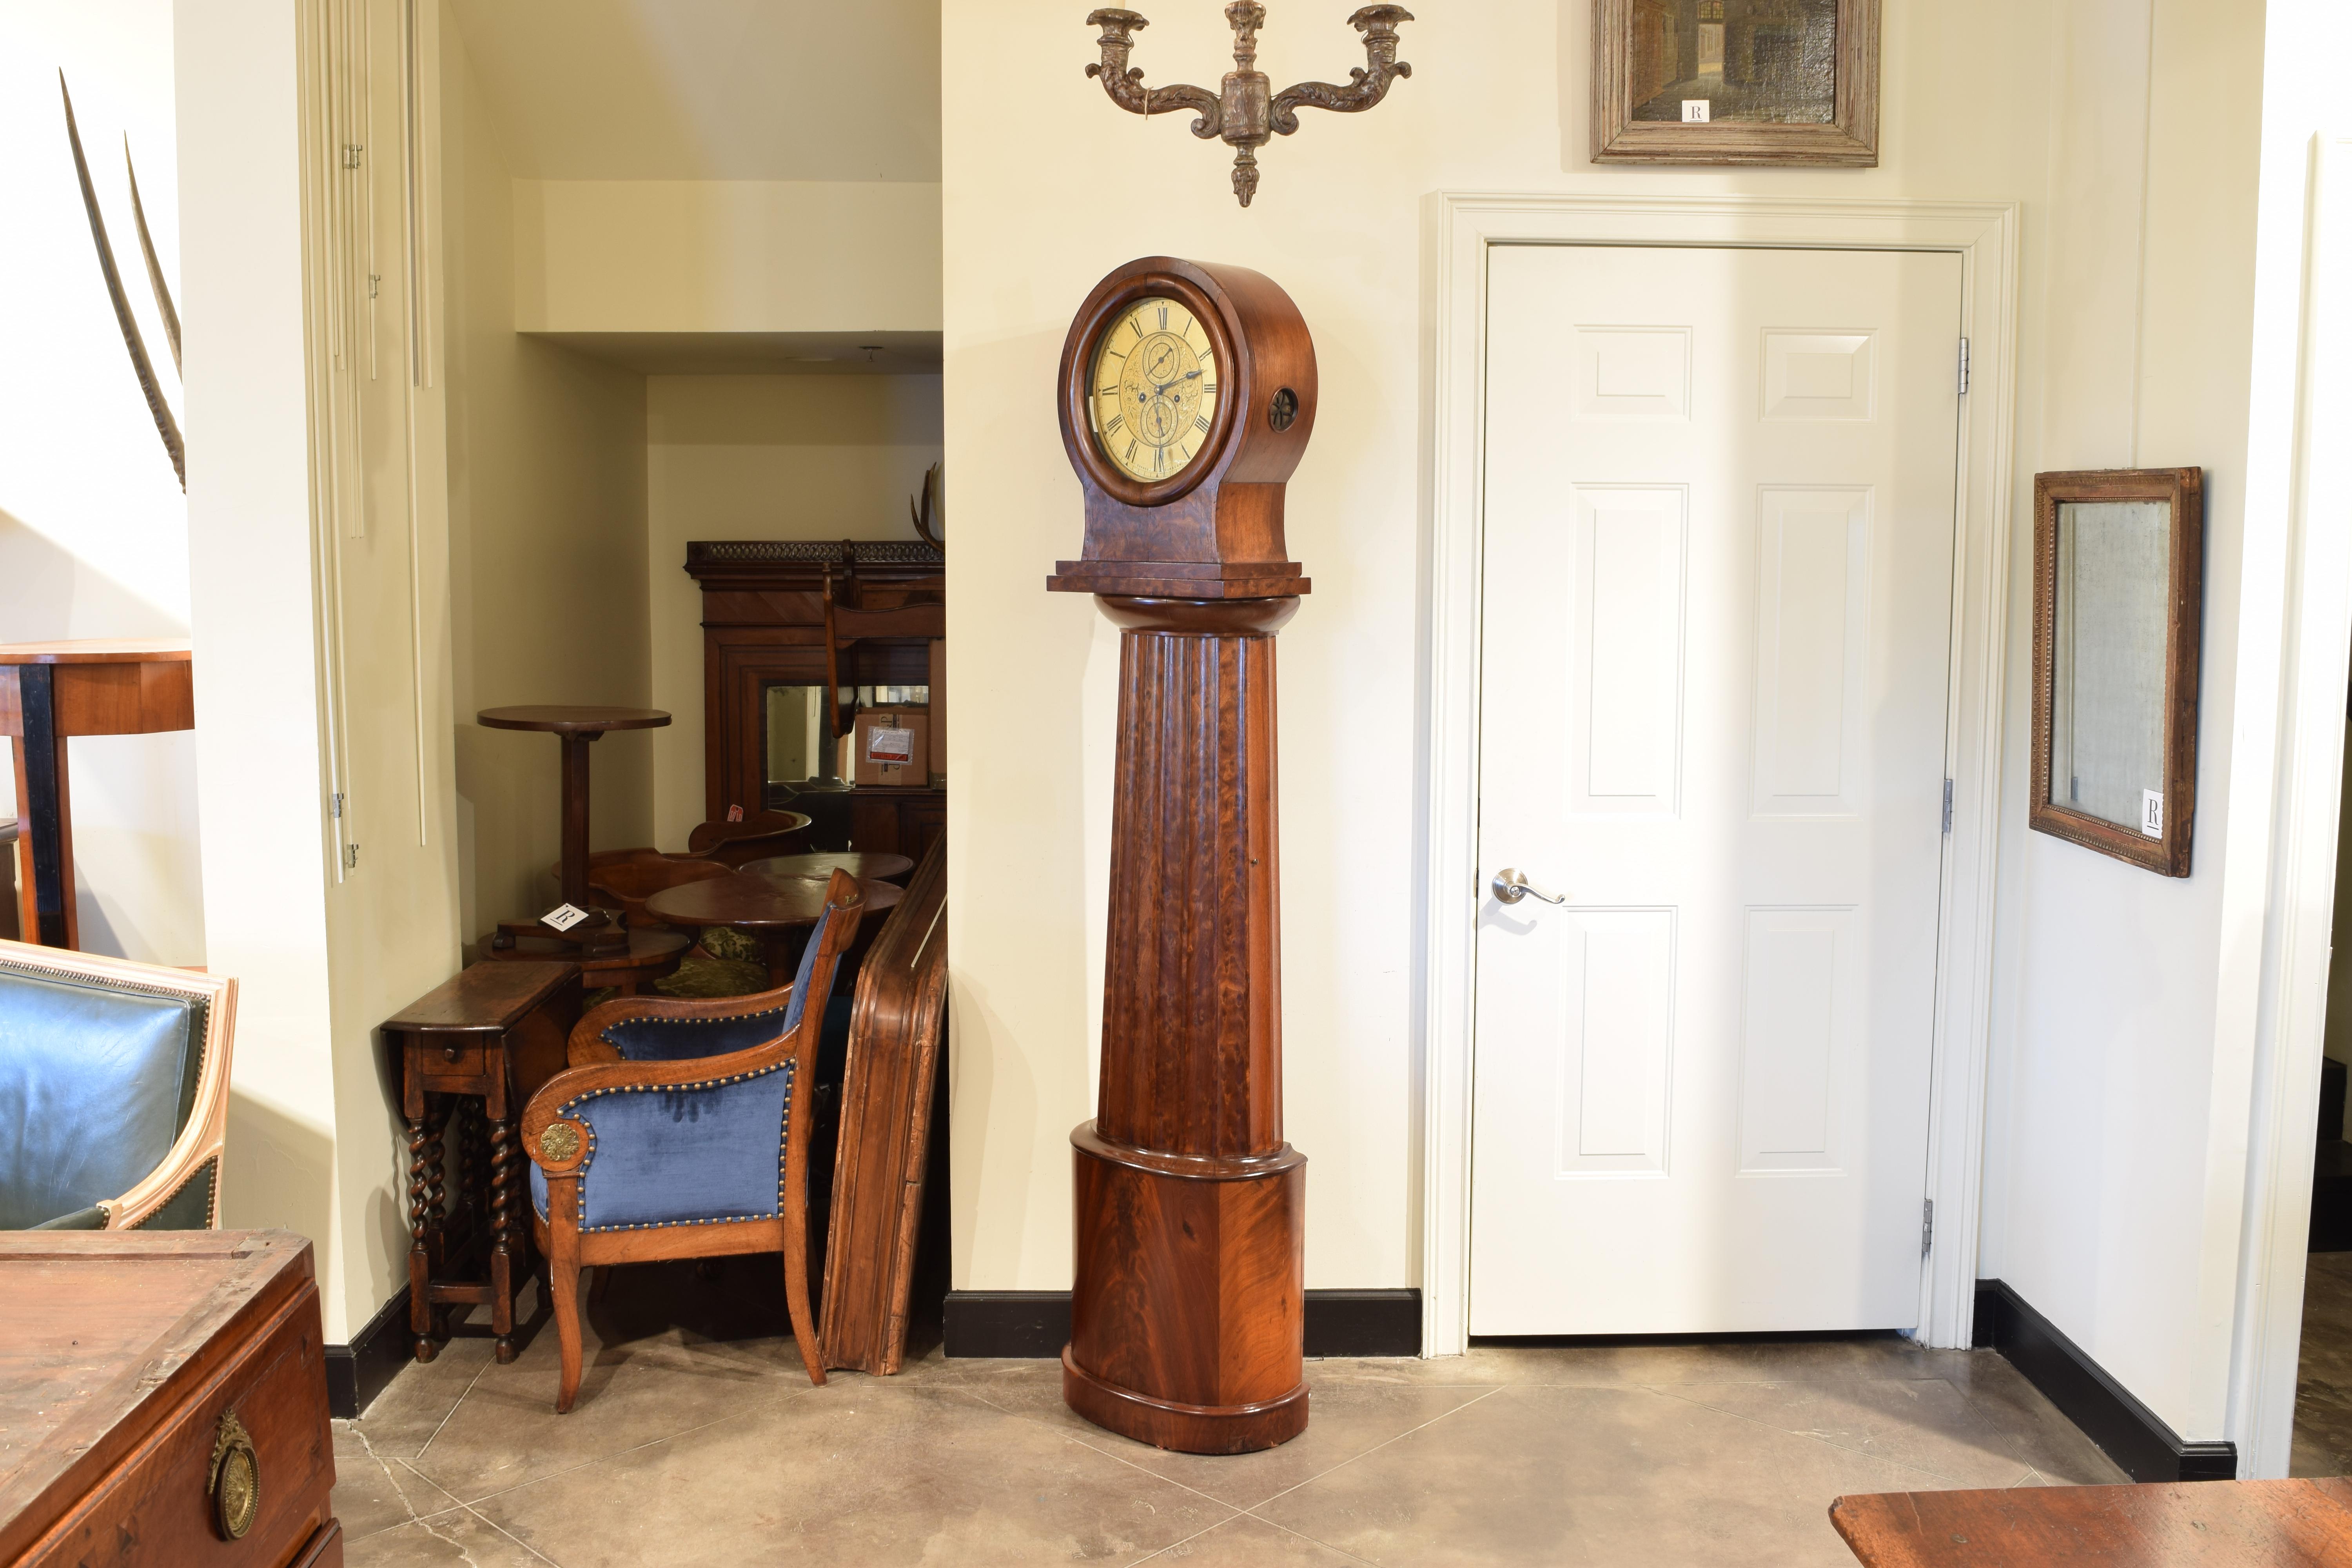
(2308, 564)
(1458, 229)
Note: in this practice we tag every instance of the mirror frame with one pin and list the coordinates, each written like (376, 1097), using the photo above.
(2181, 490)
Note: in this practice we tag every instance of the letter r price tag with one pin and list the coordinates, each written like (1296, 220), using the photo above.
(563, 916)
(2151, 814)
(1697, 111)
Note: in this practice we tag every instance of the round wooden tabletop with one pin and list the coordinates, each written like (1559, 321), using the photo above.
(873, 865)
(755, 902)
(573, 719)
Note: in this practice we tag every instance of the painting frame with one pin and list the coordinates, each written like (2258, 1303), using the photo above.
(2181, 490)
(1848, 140)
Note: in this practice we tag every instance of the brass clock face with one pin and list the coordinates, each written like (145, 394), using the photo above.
(1153, 396)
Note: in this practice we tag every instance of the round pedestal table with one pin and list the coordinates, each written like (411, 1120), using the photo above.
(577, 727)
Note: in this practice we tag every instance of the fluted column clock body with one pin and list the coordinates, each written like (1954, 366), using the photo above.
(1187, 395)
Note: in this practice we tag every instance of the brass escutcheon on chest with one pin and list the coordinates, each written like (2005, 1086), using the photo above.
(234, 1479)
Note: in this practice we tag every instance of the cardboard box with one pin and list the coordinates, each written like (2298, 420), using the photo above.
(888, 746)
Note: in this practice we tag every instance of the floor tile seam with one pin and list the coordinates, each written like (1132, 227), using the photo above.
(1314, 1540)
(1827, 1442)
(1367, 1454)
(426, 1520)
(496, 1529)
(451, 1414)
(386, 1464)
(1159, 1552)
(1072, 1438)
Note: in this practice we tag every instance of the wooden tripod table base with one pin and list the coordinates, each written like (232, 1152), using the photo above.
(1190, 1327)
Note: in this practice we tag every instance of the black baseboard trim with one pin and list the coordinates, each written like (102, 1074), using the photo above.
(1033, 1324)
(2132, 1435)
(357, 1372)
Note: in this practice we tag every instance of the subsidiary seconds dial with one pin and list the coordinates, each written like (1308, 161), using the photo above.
(1153, 394)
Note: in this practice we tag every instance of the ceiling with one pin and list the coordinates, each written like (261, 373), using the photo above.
(712, 89)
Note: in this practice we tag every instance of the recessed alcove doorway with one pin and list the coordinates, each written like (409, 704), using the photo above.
(691, 284)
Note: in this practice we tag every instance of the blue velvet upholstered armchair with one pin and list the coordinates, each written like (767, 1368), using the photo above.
(113, 1092)
(680, 1129)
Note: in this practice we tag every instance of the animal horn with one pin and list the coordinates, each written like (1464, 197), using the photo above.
(165, 426)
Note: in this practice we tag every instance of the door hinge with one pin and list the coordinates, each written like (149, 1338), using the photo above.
(337, 808)
(1947, 805)
(350, 856)
(1926, 1227)
(1964, 366)
(352, 151)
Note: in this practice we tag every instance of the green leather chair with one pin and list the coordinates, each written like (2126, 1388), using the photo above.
(113, 1092)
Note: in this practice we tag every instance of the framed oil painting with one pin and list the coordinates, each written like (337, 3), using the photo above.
(1736, 81)
(2118, 613)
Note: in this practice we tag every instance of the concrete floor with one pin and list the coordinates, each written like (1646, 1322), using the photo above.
(698, 1440)
(2323, 1391)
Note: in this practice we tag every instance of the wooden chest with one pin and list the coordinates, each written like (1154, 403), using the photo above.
(164, 1400)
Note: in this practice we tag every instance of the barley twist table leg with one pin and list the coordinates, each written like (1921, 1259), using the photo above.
(420, 1261)
(503, 1174)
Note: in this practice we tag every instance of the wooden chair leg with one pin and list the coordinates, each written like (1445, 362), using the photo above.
(795, 1207)
(563, 1281)
(796, 1292)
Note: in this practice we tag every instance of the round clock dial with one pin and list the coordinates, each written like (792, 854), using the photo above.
(1154, 392)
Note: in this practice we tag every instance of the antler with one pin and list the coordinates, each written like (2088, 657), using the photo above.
(923, 517)
(165, 426)
(1367, 87)
(1126, 87)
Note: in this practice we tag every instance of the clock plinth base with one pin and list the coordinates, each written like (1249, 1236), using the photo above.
(1181, 579)
(1187, 1318)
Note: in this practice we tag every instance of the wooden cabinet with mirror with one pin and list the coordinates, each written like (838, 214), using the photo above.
(770, 740)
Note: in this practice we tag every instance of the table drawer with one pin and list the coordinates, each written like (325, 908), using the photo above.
(447, 1065)
(155, 1508)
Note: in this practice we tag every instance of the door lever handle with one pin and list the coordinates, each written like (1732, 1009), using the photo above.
(1509, 888)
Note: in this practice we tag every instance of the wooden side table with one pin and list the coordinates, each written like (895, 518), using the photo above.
(866, 866)
(578, 727)
(471, 1053)
(50, 691)
(778, 911)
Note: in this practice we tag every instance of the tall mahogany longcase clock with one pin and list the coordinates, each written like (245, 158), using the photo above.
(1187, 396)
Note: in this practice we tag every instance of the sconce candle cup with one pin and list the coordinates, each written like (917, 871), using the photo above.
(1245, 111)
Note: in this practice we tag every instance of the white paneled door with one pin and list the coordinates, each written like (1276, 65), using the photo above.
(1720, 511)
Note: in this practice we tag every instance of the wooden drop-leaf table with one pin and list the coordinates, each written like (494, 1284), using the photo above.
(469, 1055)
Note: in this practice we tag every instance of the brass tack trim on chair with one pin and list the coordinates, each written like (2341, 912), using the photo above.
(783, 1143)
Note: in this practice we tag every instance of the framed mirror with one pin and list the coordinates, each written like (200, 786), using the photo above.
(2118, 615)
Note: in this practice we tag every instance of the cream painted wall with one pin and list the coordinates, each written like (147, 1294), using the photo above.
(762, 457)
(726, 255)
(321, 662)
(713, 90)
(1496, 102)
(93, 528)
(547, 522)
(2125, 1002)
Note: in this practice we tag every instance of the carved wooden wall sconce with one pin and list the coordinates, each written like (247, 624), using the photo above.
(1248, 113)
